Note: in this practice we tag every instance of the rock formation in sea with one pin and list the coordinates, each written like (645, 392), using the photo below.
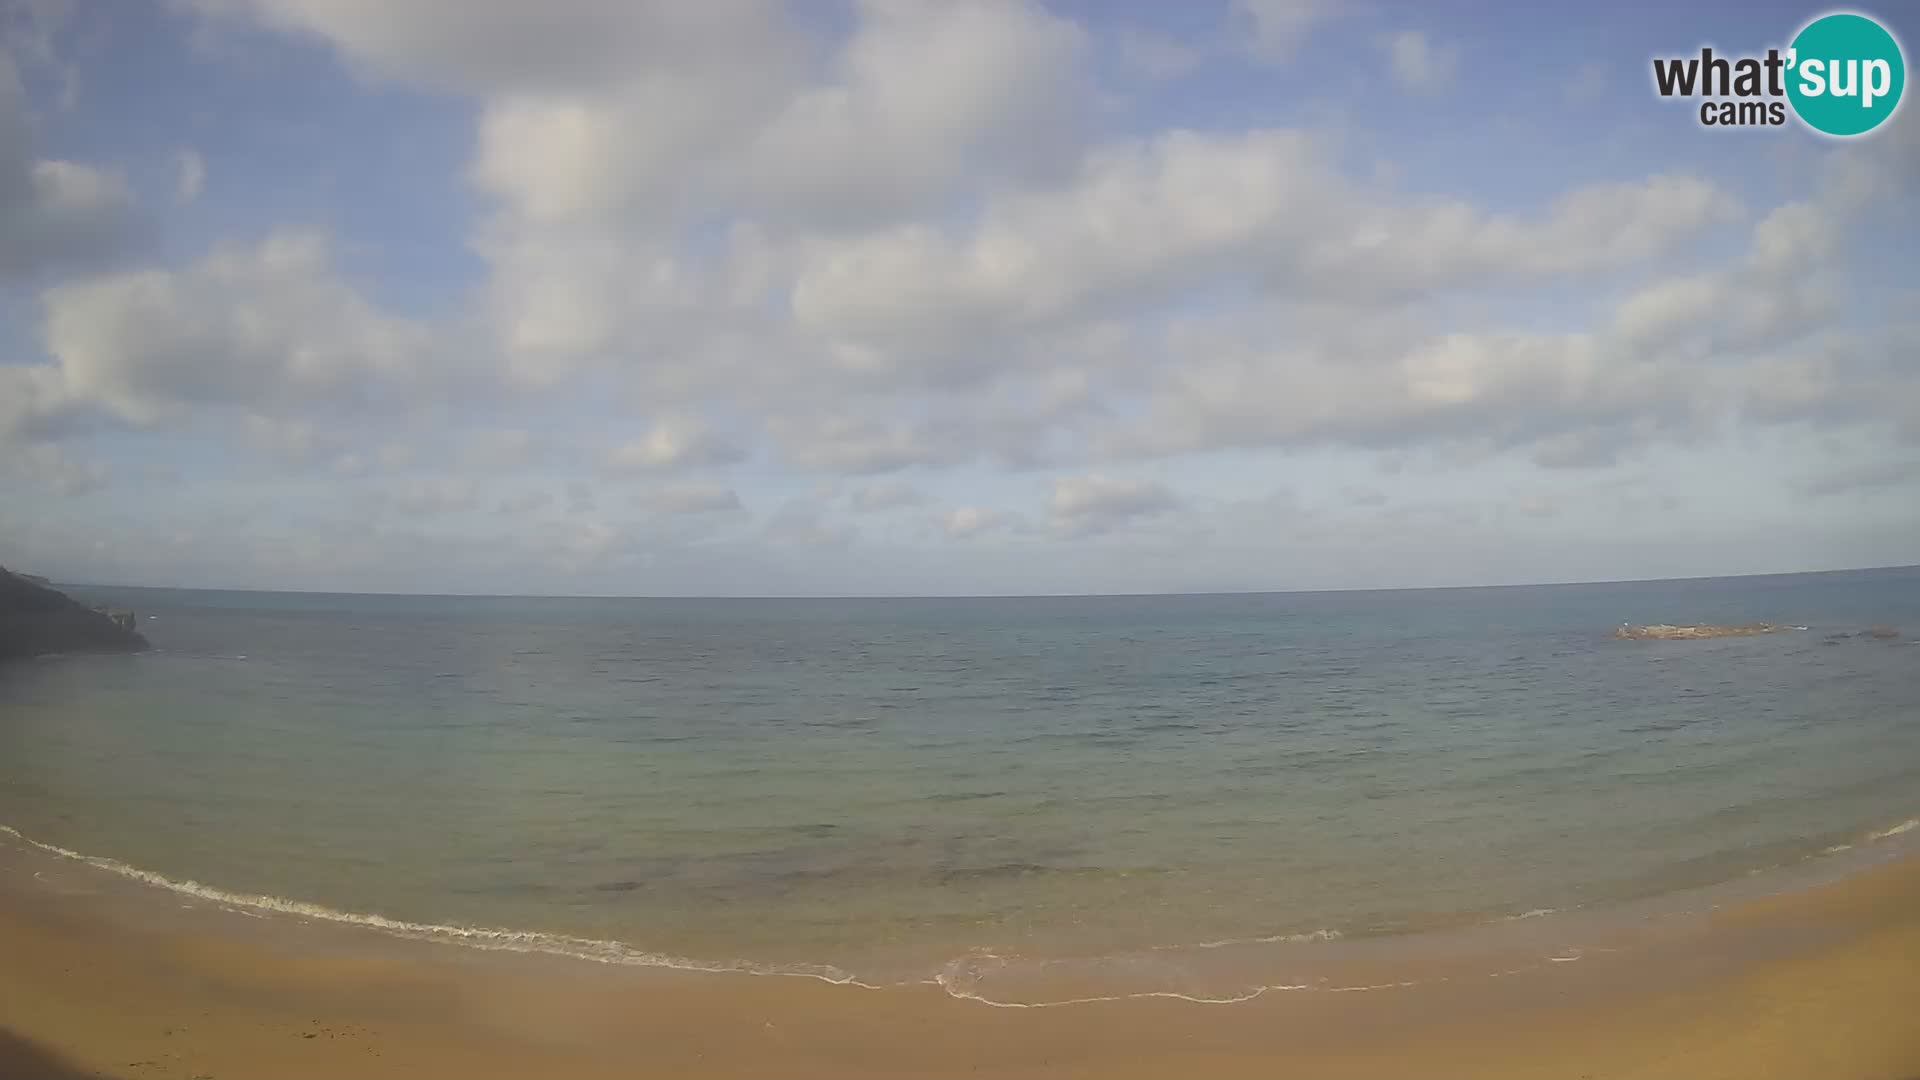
(36, 620)
(1666, 632)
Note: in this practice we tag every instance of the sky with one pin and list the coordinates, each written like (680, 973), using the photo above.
(950, 297)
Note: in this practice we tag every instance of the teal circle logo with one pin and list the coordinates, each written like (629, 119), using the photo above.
(1845, 74)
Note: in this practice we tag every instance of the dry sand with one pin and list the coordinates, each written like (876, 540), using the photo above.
(1822, 983)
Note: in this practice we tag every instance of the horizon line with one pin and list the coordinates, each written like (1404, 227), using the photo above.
(992, 596)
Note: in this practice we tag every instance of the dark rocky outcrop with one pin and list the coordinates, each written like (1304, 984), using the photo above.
(1884, 633)
(35, 620)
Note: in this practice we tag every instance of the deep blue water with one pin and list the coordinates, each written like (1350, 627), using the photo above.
(886, 784)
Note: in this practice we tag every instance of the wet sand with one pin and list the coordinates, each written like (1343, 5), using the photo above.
(105, 978)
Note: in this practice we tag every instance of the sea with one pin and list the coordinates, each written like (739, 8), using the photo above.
(969, 791)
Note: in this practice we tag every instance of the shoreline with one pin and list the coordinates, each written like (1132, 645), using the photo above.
(1218, 972)
(1814, 981)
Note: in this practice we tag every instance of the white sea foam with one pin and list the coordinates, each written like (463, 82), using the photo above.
(956, 978)
(1906, 826)
(478, 937)
(1402, 985)
(1888, 833)
(959, 975)
(1231, 999)
(951, 979)
(1536, 913)
(1305, 938)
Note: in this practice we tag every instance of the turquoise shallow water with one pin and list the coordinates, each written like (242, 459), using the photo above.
(884, 786)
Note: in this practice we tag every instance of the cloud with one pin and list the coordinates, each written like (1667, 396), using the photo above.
(856, 445)
(689, 499)
(968, 522)
(523, 503)
(934, 255)
(1183, 212)
(1538, 506)
(885, 495)
(606, 131)
(49, 467)
(1420, 65)
(1681, 358)
(1082, 505)
(499, 448)
(596, 185)
(803, 522)
(925, 95)
(1157, 56)
(54, 215)
(588, 267)
(35, 404)
(419, 497)
(1279, 27)
(269, 326)
(1568, 398)
(675, 443)
(481, 46)
(291, 440)
(1875, 477)
(595, 105)
(190, 175)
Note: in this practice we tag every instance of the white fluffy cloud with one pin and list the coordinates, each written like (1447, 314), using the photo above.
(1279, 27)
(967, 522)
(745, 248)
(1095, 503)
(924, 97)
(1186, 211)
(267, 325)
(596, 184)
(34, 403)
(675, 443)
(53, 214)
(1676, 359)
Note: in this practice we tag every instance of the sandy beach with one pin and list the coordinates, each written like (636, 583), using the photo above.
(108, 978)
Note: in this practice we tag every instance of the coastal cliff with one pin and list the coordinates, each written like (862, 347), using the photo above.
(35, 620)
